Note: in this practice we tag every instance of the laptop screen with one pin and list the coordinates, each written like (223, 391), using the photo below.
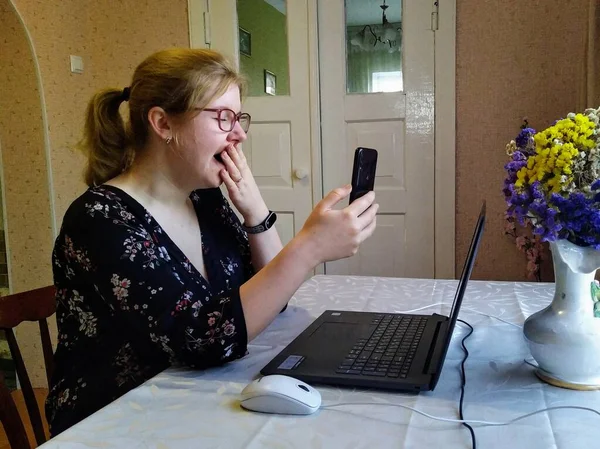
(466, 271)
(460, 291)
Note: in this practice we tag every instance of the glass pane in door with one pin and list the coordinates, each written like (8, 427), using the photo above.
(263, 46)
(373, 46)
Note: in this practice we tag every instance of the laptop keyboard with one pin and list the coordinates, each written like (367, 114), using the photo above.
(389, 351)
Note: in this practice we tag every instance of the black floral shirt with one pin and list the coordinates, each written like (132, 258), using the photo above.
(130, 304)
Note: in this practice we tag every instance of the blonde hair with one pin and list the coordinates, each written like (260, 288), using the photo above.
(177, 80)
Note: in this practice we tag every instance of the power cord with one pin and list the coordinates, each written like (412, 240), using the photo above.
(470, 421)
(464, 382)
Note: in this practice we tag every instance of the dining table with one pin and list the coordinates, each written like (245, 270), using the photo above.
(185, 408)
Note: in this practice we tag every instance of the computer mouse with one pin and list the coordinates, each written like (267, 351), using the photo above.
(280, 394)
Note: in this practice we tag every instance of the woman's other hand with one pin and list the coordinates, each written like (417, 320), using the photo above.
(242, 188)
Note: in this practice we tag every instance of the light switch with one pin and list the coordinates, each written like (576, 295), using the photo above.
(76, 64)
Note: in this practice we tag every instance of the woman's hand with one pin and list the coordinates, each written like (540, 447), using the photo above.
(242, 187)
(336, 234)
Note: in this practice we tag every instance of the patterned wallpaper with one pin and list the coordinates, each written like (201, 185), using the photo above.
(23, 158)
(596, 38)
(112, 38)
(515, 59)
(29, 230)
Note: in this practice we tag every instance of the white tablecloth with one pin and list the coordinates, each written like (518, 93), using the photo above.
(190, 409)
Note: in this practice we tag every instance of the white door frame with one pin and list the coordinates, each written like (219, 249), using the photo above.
(445, 121)
(315, 109)
(445, 131)
(198, 19)
(445, 141)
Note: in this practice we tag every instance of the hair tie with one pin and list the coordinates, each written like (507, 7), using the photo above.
(125, 94)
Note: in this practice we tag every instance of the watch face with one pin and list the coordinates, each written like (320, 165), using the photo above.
(270, 220)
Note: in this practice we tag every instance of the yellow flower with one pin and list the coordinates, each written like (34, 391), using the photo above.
(556, 149)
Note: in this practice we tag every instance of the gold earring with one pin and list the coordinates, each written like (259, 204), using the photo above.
(168, 140)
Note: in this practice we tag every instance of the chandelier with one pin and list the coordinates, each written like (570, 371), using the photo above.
(374, 37)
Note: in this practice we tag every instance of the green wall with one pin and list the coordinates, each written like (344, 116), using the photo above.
(268, 30)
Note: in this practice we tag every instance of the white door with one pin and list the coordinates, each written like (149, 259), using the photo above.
(382, 96)
(274, 54)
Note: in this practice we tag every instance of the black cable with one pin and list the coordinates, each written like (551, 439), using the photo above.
(463, 383)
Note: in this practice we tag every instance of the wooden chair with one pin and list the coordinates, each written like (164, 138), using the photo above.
(33, 305)
(11, 420)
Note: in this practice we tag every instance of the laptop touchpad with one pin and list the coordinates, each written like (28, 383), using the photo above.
(346, 332)
(335, 339)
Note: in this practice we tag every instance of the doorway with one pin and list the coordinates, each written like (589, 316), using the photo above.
(405, 110)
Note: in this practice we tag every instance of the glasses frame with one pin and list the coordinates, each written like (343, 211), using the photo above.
(236, 119)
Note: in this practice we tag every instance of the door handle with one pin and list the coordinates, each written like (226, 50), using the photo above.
(300, 173)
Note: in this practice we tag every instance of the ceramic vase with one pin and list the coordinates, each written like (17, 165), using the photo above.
(564, 338)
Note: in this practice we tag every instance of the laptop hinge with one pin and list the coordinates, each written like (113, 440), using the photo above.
(436, 352)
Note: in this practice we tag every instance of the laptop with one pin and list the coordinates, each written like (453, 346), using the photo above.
(376, 350)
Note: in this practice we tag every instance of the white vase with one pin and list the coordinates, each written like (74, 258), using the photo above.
(564, 338)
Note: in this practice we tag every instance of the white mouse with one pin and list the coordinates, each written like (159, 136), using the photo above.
(280, 394)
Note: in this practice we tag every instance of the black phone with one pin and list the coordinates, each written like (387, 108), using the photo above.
(363, 172)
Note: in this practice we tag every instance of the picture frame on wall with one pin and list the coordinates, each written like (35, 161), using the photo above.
(270, 83)
(245, 42)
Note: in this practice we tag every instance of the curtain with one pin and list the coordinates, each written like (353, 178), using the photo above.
(364, 58)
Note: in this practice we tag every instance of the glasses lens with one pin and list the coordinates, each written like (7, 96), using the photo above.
(245, 122)
(227, 120)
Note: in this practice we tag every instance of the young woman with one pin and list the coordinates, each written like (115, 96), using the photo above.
(152, 267)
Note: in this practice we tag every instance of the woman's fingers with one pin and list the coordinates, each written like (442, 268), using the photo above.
(361, 204)
(232, 168)
(368, 216)
(368, 231)
(229, 183)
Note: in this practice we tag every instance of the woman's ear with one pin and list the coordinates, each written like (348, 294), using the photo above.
(159, 123)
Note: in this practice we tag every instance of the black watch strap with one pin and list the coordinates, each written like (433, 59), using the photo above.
(262, 227)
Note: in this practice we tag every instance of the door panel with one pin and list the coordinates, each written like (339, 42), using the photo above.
(380, 94)
(278, 145)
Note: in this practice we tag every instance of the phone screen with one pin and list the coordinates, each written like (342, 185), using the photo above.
(363, 172)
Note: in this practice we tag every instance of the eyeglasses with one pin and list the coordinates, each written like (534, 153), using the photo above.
(227, 119)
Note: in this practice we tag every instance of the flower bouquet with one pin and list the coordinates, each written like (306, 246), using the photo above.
(552, 187)
(553, 179)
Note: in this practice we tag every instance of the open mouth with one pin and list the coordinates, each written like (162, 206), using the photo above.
(218, 158)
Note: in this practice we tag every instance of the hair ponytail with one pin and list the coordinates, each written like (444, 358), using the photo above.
(105, 141)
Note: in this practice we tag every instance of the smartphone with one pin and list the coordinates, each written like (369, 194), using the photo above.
(363, 172)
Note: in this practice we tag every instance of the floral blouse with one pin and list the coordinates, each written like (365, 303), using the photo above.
(130, 304)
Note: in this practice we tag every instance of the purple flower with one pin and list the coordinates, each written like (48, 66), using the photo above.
(524, 137)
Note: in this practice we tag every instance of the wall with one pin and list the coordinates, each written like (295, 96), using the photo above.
(596, 54)
(514, 59)
(28, 212)
(112, 38)
(268, 28)
(29, 231)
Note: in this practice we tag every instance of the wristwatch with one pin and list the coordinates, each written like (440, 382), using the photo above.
(262, 227)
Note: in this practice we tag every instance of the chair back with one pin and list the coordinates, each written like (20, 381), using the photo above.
(11, 420)
(34, 305)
